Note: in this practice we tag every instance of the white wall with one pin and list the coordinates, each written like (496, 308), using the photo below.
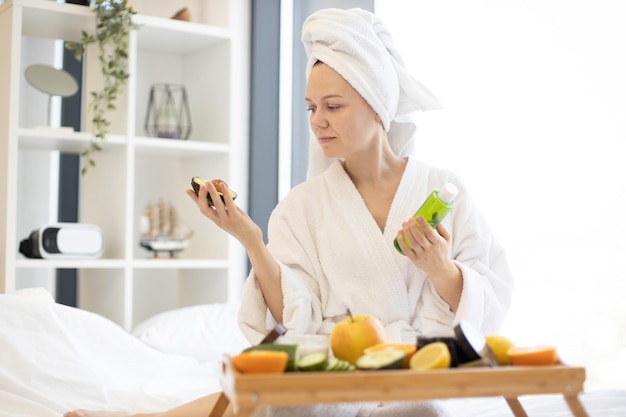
(535, 121)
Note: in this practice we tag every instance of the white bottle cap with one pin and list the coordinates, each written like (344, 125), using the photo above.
(448, 193)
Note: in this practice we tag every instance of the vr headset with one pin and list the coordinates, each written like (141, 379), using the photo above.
(64, 240)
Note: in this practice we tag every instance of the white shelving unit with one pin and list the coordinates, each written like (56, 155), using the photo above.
(212, 61)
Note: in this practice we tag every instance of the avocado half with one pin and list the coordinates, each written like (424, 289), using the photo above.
(196, 182)
(382, 359)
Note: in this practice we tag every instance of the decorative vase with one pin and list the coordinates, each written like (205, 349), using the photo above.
(168, 112)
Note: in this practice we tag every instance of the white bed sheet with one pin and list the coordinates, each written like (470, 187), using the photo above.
(55, 358)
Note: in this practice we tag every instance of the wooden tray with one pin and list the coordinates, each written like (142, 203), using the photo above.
(248, 392)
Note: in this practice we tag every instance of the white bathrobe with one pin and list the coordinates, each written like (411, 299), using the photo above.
(333, 256)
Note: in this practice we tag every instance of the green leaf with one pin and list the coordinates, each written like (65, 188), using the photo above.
(113, 26)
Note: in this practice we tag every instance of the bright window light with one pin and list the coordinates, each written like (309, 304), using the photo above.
(535, 122)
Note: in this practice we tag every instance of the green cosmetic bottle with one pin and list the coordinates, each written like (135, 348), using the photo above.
(435, 208)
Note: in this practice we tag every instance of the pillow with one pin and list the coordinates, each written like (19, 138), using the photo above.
(38, 294)
(204, 332)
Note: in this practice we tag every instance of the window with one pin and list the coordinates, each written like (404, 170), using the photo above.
(535, 121)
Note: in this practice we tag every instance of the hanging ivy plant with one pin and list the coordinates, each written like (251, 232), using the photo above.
(113, 25)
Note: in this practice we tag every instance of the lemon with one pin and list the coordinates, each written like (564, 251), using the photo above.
(432, 356)
(500, 346)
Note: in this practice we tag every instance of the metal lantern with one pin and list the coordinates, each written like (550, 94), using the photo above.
(168, 112)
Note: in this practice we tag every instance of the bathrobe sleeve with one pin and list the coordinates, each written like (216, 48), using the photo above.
(292, 245)
(487, 279)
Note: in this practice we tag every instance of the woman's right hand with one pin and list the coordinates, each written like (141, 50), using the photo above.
(226, 214)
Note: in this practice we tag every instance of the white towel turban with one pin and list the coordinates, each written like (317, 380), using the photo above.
(358, 45)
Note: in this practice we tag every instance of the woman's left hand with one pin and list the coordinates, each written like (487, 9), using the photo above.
(428, 250)
(427, 247)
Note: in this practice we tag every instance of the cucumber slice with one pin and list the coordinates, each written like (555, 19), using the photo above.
(292, 350)
(346, 366)
(316, 361)
(339, 365)
(332, 364)
(382, 359)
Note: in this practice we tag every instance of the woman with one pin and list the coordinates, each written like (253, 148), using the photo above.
(331, 238)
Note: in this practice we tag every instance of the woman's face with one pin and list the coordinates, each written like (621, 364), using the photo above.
(344, 124)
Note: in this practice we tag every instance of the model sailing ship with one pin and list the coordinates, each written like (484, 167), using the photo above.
(162, 232)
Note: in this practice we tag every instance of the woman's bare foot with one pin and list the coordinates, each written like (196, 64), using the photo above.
(91, 413)
(200, 407)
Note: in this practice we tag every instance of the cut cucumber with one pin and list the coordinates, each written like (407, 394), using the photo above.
(382, 359)
(332, 364)
(339, 365)
(316, 361)
(292, 350)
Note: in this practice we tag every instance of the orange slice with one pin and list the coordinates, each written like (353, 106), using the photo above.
(261, 362)
(533, 355)
(432, 356)
(407, 348)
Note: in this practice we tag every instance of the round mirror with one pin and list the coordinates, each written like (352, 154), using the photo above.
(50, 80)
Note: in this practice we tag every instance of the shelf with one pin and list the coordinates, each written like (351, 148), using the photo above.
(76, 142)
(61, 140)
(177, 147)
(68, 21)
(54, 20)
(208, 264)
(180, 264)
(175, 36)
(125, 285)
(71, 263)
